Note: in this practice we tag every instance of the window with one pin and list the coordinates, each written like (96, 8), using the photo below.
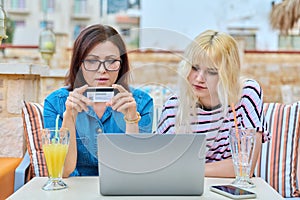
(77, 30)
(47, 6)
(18, 4)
(125, 31)
(247, 35)
(46, 24)
(80, 6)
(135, 4)
(131, 37)
(19, 23)
(289, 42)
(248, 39)
(115, 6)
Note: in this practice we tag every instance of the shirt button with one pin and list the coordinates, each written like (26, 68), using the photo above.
(99, 130)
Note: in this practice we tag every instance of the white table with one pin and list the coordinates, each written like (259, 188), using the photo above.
(88, 188)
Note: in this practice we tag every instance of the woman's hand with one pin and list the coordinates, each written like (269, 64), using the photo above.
(124, 102)
(77, 102)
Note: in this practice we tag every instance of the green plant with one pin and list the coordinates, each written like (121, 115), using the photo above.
(10, 29)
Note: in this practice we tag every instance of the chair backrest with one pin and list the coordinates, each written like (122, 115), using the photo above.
(32, 115)
(277, 163)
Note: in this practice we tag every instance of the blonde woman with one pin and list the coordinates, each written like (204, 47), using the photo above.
(209, 83)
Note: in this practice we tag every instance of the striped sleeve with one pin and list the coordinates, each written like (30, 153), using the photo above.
(252, 108)
(166, 122)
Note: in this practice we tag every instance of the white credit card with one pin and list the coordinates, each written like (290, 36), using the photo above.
(100, 94)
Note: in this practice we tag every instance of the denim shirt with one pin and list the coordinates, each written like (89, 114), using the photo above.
(89, 125)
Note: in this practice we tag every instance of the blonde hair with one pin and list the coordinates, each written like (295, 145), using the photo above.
(215, 50)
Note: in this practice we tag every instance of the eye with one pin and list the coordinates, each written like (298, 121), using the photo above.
(212, 72)
(91, 61)
(109, 62)
(194, 68)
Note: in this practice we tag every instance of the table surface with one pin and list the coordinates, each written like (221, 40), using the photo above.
(88, 188)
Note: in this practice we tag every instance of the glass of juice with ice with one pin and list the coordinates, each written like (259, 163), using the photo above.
(55, 147)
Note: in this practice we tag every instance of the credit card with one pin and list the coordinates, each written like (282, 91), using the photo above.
(100, 94)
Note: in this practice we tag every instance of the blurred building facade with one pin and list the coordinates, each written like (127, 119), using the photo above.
(69, 17)
(170, 24)
(152, 24)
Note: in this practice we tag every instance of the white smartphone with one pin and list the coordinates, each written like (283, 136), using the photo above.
(232, 192)
(100, 94)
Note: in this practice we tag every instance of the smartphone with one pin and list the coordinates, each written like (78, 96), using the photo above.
(232, 192)
(100, 94)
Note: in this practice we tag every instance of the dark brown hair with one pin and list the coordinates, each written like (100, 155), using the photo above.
(84, 43)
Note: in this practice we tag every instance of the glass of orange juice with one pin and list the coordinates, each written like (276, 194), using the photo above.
(55, 147)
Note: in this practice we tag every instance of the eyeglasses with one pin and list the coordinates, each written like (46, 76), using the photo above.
(94, 65)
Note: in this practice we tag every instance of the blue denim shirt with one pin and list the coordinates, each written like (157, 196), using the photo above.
(88, 126)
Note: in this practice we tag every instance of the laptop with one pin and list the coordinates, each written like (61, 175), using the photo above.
(151, 164)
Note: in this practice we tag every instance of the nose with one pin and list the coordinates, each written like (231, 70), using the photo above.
(200, 76)
(101, 68)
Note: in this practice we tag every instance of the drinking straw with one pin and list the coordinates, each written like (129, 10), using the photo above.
(236, 132)
(56, 127)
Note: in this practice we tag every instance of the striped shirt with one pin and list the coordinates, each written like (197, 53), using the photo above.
(216, 126)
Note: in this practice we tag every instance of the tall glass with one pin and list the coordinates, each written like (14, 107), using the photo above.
(242, 142)
(55, 147)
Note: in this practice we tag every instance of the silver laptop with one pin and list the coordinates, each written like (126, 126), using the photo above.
(151, 164)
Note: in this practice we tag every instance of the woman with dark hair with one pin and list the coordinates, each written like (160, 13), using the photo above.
(99, 59)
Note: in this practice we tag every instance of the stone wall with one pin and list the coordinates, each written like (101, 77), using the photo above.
(17, 82)
(277, 72)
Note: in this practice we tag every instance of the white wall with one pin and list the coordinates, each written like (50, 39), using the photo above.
(171, 24)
